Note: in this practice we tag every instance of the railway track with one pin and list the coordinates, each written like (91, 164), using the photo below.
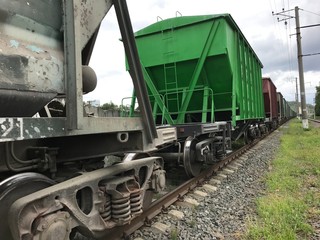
(315, 122)
(176, 195)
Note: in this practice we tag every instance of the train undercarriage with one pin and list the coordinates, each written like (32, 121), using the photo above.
(198, 145)
(89, 204)
(66, 187)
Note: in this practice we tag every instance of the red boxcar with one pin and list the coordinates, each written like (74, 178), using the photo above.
(270, 102)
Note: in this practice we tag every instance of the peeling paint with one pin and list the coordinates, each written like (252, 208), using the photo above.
(36, 129)
(14, 43)
(34, 49)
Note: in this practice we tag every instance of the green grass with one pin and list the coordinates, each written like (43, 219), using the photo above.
(292, 198)
(174, 234)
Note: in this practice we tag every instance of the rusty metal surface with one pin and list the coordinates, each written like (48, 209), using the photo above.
(32, 102)
(31, 59)
(32, 49)
(16, 187)
(270, 99)
(33, 128)
(115, 127)
(30, 45)
(177, 194)
(27, 11)
(91, 13)
(97, 186)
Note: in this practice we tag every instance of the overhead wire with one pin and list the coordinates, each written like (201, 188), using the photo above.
(288, 41)
(289, 45)
(310, 12)
(275, 5)
(289, 49)
(285, 39)
(310, 25)
(276, 26)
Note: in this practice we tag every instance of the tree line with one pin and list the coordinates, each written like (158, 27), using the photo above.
(114, 107)
(317, 101)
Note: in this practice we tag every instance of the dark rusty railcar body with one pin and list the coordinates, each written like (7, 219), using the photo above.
(270, 101)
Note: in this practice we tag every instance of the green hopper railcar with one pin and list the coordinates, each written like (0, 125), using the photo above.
(201, 69)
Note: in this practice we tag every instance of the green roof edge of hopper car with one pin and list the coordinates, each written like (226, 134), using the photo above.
(181, 21)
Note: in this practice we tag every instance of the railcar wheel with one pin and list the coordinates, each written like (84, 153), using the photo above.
(14, 188)
(191, 165)
(246, 137)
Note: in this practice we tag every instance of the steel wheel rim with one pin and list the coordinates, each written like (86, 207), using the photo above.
(191, 166)
(15, 187)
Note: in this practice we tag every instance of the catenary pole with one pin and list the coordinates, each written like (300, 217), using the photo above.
(305, 124)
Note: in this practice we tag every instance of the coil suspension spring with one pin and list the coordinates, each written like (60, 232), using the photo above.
(106, 214)
(136, 203)
(123, 200)
(121, 209)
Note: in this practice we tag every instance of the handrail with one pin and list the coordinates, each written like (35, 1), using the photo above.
(164, 97)
(177, 12)
(211, 94)
(158, 17)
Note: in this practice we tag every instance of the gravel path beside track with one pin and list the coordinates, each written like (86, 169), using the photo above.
(223, 213)
(314, 123)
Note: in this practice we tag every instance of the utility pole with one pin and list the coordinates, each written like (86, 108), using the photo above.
(297, 99)
(305, 124)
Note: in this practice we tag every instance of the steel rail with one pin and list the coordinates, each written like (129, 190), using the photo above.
(314, 120)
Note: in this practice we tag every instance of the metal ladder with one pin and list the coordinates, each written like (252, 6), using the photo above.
(170, 72)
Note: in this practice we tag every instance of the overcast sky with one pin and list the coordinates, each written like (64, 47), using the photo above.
(273, 41)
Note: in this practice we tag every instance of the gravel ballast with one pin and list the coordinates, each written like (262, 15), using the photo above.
(222, 214)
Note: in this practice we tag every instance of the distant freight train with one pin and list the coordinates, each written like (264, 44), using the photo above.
(55, 181)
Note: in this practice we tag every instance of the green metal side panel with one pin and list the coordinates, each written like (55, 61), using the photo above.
(200, 69)
(247, 93)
